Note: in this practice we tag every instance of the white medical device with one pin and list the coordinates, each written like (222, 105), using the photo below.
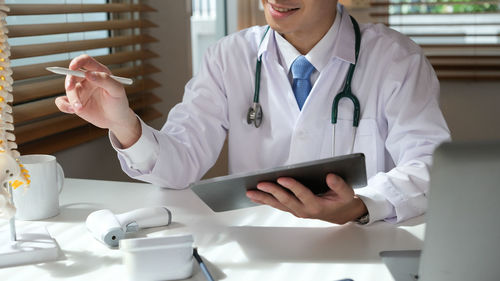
(110, 228)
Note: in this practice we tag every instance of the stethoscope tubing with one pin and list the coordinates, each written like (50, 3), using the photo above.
(255, 113)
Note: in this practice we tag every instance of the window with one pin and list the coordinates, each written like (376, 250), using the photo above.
(208, 24)
(461, 38)
(51, 33)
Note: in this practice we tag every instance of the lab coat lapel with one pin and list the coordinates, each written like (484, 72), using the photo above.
(344, 47)
(285, 92)
(308, 137)
(276, 82)
(312, 134)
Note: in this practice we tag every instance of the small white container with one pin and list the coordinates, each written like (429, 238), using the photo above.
(158, 258)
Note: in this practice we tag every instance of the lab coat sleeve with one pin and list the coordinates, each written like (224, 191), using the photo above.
(140, 157)
(190, 141)
(416, 127)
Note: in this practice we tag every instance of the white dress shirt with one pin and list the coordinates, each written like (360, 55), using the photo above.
(317, 56)
(400, 126)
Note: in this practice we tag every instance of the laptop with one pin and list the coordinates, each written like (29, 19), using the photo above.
(462, 236)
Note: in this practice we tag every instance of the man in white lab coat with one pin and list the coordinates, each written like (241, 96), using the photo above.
(400, 125)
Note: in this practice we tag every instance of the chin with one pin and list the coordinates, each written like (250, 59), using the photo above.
(281, 27)
(283, 30)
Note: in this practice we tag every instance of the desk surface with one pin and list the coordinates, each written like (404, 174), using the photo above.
(250, 244)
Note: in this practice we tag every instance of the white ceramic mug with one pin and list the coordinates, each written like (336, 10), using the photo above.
(41, 199)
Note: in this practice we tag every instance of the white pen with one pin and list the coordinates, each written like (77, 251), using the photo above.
(81, 73)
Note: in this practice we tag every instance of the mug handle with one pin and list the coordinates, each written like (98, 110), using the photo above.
(60, 177)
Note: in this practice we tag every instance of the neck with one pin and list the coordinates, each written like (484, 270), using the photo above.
(305, 40)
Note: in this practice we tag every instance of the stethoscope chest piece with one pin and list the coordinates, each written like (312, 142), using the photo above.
(254, 115)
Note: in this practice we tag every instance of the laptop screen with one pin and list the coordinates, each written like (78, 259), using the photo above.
(462, 238)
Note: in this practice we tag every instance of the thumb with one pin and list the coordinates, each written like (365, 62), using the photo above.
(103, 80)
(339, 186)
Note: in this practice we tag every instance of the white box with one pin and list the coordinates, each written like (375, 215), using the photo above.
(158, 258)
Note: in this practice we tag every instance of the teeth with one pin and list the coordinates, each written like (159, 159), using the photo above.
(282, 10)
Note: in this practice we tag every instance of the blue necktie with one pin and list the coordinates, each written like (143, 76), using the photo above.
(301, 72)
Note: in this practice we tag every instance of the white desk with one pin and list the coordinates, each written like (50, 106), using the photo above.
(250, 244)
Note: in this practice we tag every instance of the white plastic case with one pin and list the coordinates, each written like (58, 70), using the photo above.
(158, 258)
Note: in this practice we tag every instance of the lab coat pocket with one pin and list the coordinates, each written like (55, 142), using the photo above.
(366, 141)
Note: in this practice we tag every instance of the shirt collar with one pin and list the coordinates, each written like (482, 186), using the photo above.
(338, 42)
(287, 52)
(316, 55)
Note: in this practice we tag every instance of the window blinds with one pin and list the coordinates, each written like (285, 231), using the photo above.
(461, 38)
(43, 35)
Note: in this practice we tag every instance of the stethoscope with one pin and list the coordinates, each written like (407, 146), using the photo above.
(255, 114)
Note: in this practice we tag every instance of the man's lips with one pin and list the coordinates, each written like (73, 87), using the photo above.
(280, 11)
(283, 10)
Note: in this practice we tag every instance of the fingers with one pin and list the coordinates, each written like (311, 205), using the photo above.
(339, 186)
(63, 104)
(79, 90)
(89, 63)
(334, 206)
(71, 81)
(281, 195)
(266, 199)
(301, 202)
(78, 95)
(72, 97)
(84, 62)
(98, 75)
(103, 80)
(301, 192)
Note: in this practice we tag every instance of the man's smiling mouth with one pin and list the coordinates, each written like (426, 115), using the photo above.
(283, 10)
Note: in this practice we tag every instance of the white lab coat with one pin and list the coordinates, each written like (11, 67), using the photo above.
(401, 123)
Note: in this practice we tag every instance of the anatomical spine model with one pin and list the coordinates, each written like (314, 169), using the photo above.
(12, 173)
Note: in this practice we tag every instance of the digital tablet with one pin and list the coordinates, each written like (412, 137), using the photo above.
(229, 192)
